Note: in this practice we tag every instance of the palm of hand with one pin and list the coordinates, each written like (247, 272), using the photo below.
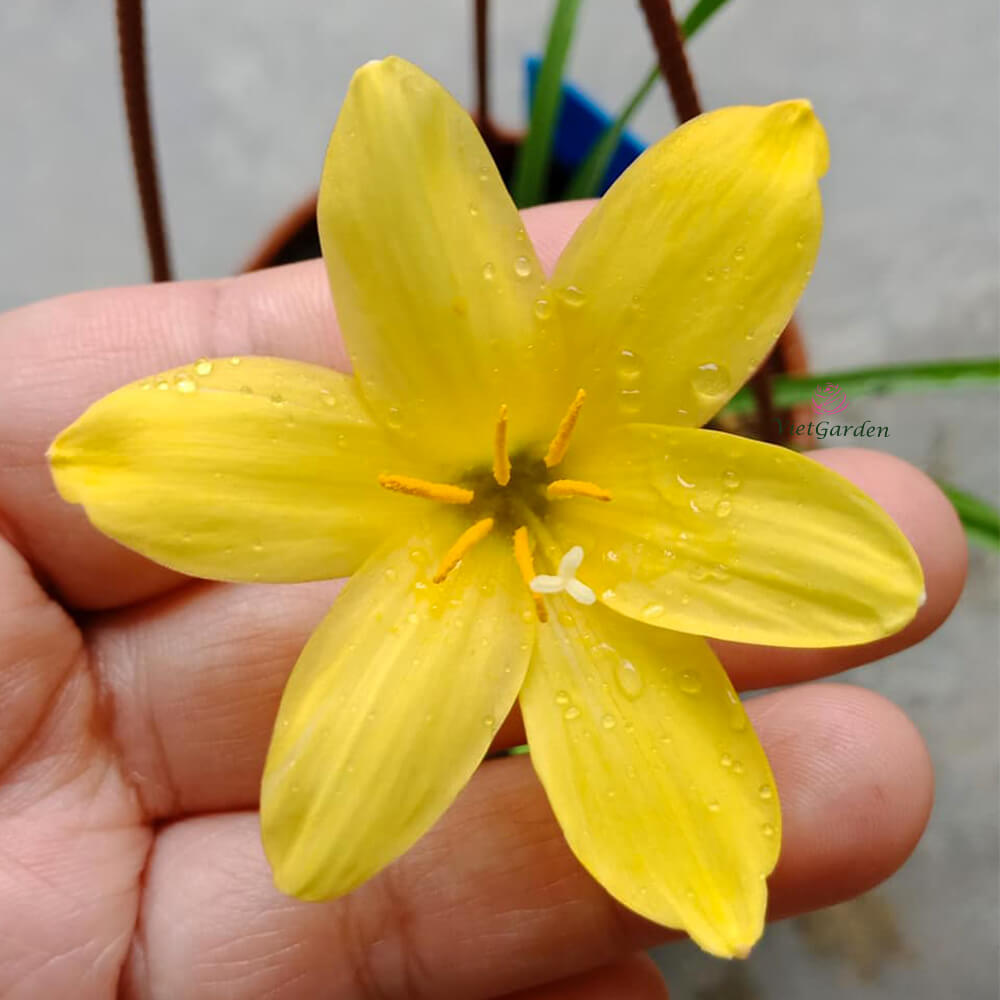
(134, 729)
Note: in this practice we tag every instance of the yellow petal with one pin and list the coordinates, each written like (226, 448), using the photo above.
(235, 469)
(390, 708)
(722, 536)
(679, 281)
(654, 773)
(438, 291)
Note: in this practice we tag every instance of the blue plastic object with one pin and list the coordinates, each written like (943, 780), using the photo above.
(580, 124)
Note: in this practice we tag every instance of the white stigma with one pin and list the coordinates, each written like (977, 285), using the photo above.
(565, 580)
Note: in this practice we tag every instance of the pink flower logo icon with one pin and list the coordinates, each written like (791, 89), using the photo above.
(829, 399)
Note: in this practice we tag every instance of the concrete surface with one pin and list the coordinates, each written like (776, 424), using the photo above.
(245, 95)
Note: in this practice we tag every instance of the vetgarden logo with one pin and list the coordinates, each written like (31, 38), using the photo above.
(827, 401)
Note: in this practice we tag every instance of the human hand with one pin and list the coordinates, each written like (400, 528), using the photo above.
(137, 706)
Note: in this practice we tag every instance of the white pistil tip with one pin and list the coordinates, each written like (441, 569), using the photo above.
(565, 580)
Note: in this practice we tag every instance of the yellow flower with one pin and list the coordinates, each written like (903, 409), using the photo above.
(509, 449)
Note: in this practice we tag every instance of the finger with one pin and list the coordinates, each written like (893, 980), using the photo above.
(635, 977)
(491, 900)
(68, 352)
(203, 669)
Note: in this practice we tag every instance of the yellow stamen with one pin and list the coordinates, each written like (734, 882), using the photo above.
(576, 488)
(522, 553)
(463, 543)
(444, 492)
(557, 449)
(501, 460)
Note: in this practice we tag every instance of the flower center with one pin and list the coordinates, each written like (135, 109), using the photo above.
(514, 506)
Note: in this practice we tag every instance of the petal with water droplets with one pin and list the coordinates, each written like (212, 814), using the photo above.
(390, 708)
(722, 536)
(631, 760)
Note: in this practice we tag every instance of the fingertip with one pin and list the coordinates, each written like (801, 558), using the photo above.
(551, 226)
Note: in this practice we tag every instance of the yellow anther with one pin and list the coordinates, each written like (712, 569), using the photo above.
(444, 492)
(501, 459)
(522, 553)
(576, 488)
(557, 449)
(463, 543)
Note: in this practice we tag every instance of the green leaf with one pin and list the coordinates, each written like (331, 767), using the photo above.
(790, 390)
(586, 179)
(980, 519)
(531, 169)
(699, 14)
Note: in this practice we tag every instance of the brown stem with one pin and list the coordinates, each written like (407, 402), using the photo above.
(132, 60)
(669, 41)
(483, 70)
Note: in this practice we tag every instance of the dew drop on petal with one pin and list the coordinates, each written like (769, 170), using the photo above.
(489, 722)
(562, 698)
(767, 829)
(572, 712)
(277, 399)
(629, 368)
(711, 380)
(489, 271)
(162, 384)
(543, 308)
(185, 383)
(608, 722)
(726, 760)
(203, 366)
(522, 267)
(652, 611)
(714, 806)
(571, 296)
(629, 679)
(723, 508)
(765, 792)
(234, 361)
(730, 480)
(393, 418)
(690, 682)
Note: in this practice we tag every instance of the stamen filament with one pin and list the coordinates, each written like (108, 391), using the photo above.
(443, 492)
(560, 443)
(577, 488)
(501, 458)
(463, 543)
(522, 553)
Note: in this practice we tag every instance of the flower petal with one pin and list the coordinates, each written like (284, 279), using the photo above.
(235, 469)
(654, 773)
(438, 290)
(694, 259)
(727, 537)
(389, 710)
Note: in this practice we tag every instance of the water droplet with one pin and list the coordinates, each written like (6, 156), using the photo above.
(235, 361)
(629, 368)
(257, 547)
(522, 267)
(730, 480)
(185, 383)
(393, 419)
(162, 384)
(203, 366)
(277, 399)
(489, 722)
(473, 210)
(571, 713)
(765, 792)
(608, 722)
(562, 698)
(571, 296)
(739, 253)
(628, 401)
(690, 682)
(738, 767)
(246, 390)
(419, 556)
(710, 275)
(390, 574)
(489, 270)
(723, 508)
(565, 618)
(698, 572)
(328, 398)
(726, 760)
(714, 806)
(684, 482)
(711, 379)
(652, 611)
(412, 617)
(767, 830)
(800, 243)
(543, 308)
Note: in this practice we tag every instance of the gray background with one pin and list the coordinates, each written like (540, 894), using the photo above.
(245, 95)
